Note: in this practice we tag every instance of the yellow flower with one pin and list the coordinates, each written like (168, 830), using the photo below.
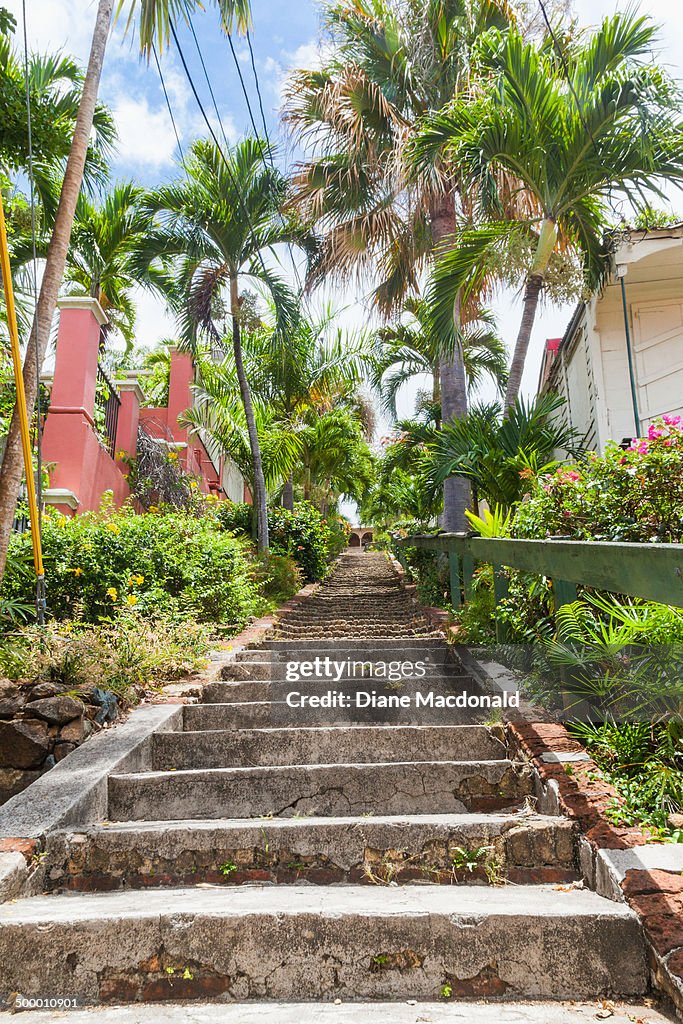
(139, 580)
(113, 593)
(153, 508)
(77, 571)
(87, 547)
(113, 528)
(131, 599)
(193, 485)
(173, 456)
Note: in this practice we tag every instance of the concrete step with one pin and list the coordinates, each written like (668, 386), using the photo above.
(326, 745)
(264, 714)
(521, 848)
(313, 942)
(538, 1012)
(330, 789)
(230, 691)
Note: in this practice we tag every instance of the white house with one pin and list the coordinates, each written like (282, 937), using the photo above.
(620, 362)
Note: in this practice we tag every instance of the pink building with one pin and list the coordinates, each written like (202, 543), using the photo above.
(86, 428)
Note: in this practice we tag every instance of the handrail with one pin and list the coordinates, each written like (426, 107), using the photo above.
(650, 571)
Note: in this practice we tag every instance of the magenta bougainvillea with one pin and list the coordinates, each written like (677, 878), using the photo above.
(632, 494)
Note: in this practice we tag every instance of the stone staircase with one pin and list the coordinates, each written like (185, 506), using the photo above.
(355, 853)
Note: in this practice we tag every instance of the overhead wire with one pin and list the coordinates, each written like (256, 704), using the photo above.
(168, 103)
(267, 148)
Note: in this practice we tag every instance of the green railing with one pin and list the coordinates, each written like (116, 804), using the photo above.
(650, 571)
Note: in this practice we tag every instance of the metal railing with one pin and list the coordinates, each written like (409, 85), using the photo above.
(108, 404)
(653, 572)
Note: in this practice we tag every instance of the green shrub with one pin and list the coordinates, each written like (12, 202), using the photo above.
(632, 495)
(278, 576)
(170, 562)
(303, 534)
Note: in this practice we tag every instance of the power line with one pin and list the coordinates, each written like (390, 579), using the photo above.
(208, 82)
(168, 102)
(258, 88)
(263, 149)
(197, 97)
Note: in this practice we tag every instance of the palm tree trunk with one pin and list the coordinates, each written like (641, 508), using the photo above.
(453, 385)
(288, 494)
(260, 495)
(547, 239)
(11, 470)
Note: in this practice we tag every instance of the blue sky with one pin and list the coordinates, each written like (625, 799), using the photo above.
(285, 35)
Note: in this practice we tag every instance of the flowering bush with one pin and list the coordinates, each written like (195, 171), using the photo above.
(303, 534)
(629, 495)
(99, 563)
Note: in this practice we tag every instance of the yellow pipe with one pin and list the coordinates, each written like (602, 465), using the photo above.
(21, 395)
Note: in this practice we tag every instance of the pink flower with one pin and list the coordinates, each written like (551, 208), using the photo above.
(655, 432)
(671, 421)
(643, 448)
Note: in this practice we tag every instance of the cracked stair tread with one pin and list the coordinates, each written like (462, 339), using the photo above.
(469, 903)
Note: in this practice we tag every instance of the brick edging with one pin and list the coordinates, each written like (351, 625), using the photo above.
(584, 796)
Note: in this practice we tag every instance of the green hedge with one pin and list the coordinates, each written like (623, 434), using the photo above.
(303, 534)
(170, 562)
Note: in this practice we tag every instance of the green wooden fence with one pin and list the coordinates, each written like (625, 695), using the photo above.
(650, 571)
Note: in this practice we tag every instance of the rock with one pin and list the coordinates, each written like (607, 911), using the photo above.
(62, 749)
(49, 762)
(108, 704)
(7, 688)
(23, 744)
(13, 781)
(10, 705)
(55, 709)
(675, 820)
(76, 731)
(43, 690)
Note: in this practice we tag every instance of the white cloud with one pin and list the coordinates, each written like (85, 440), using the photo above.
(146, 137)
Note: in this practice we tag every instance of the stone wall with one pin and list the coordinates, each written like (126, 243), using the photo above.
(40, 724)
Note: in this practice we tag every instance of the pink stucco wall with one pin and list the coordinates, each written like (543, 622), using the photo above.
(82, 466)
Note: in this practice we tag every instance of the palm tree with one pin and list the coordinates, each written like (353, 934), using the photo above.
(218, 416)
(501, 456)
(214, 227)
(568, 136)
(54, 82)
(100, 261)
(392, 62)
(412, 348)
(310, 368)
(336, 459)
(154, 24)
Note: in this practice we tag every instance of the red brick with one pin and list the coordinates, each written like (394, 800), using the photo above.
(26, 846)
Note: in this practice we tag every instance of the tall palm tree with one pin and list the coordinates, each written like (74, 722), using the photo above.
(154, 23)
(214, 227)
(310, 368)
(100, 260)
(407, 349)
(392, 62)
(571, 134)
